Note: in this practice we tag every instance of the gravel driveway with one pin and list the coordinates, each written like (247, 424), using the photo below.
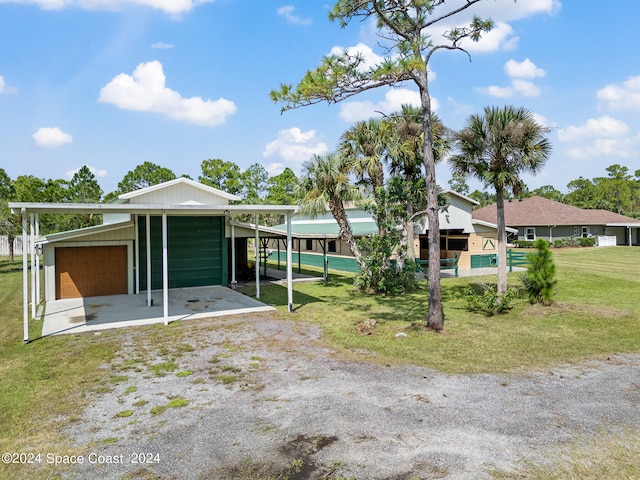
(265, 399)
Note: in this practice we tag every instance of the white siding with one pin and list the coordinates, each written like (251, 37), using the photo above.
(179, 194)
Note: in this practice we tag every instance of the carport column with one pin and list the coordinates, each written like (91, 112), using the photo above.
(25, 279)
(234, 282)
(137, 253)
(165, 270)
(33, 265)
(257, 249)
(148, 234)
(37, 260)
(289, 266)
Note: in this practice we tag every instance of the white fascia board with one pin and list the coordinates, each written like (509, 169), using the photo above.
(492, 225)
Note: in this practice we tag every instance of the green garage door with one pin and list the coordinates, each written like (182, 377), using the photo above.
(196, 249)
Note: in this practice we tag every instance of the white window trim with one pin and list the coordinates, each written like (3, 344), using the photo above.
(526, 233)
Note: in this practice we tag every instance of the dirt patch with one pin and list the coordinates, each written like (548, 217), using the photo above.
(558, 308)
(258, 398)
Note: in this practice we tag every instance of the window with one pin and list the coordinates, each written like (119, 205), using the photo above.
(575, 231)
(332, 246)
(460, 244)
(530, 233)
(309, 244)
(585, 232)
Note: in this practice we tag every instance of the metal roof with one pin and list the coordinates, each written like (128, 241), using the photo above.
(43, 207)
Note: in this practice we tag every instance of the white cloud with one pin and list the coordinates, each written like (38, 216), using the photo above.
(4, 88)
(517, 71)
(294, 146)
(287, 12)
(162, 46)
(275, 168)
(393, 101)
(600, 137)
(603, 127)
(524, 69)
(605, 147)
(146, 90)
(51, 137)
(369, 57)
(173, 7)
(94, 170)
(622, 97)
(501, 37)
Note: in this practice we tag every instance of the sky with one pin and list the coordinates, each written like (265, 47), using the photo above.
(113, 83)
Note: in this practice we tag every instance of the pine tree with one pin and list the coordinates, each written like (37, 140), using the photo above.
(539, 281)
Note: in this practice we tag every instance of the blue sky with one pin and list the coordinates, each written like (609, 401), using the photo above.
(114, 83)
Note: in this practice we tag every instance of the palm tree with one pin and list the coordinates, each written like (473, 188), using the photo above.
(497, 148)
(406, 160)
(325, 182)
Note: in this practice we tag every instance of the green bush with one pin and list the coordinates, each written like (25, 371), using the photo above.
(523, 243)
(539, 280)
(488, 301)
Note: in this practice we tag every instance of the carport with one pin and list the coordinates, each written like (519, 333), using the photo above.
(137, 218)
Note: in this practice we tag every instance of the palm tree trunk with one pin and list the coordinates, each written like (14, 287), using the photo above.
(346, 234)
(502, 243)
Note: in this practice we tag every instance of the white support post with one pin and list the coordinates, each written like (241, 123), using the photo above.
(137, 255)
(257, 249)
(165, 270)
(37, 261)
(289, 266)
(148, 234)
(33, 263)
(234, 282)
(25, 278)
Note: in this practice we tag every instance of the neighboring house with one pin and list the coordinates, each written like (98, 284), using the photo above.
(538, 217)
(475, 241)
(191, 242)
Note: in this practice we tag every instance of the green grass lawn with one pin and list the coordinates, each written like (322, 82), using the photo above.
(45, 384)
(595, 316)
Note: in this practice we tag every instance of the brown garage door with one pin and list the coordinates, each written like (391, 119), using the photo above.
(91, 271)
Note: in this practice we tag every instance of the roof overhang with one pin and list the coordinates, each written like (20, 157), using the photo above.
(623, 224)
(82, 232)
(141, 209)
(276, 232)
(492, 225)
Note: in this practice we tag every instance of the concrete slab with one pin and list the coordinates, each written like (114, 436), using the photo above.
(78, 315)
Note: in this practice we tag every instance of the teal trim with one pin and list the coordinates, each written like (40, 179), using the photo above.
(484, 261)
(344, 264)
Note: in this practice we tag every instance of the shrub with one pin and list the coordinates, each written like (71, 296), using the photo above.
(488, 301)
(523, 243)
(539, 280)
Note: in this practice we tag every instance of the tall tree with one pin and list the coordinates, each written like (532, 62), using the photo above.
(222, 175)
(9, 224)
(281, 188)
(497, 148)
(254, 183)
(405, 27)
(325, 182)
(143, 176)
(84, 188)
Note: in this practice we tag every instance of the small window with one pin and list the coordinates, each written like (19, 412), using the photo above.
(459, 244)
(309, 244)
(575, 231)
(585, 232)
(530, 233)
(332, 246)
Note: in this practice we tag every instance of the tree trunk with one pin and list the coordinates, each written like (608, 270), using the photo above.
(346, 234)
(435, 317)
(502, 243)
(11, 241)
